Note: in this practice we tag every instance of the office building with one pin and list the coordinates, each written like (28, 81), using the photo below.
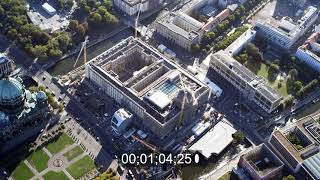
(309, 52)
(261, 164)
(160, 94)
(132, 7)
(184, 28)
(253, 87)
(297, 145)
(241, 42)
(286, 32)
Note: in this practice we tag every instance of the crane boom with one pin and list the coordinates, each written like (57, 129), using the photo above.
(137, 20)
(83, 48)
(148, 145)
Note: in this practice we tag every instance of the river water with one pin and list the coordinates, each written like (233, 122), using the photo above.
(66, 65)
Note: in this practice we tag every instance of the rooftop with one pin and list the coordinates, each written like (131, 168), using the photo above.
(249, 77)
(289, 28)
(236, 45)
(307, 129)
(312, 46)
(263, 160)
(168, 21)
(215, 140)
(134, 2)
(313, 165)
(146, 77)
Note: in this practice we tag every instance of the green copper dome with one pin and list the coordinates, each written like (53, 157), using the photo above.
(41, 96)
(11, 92)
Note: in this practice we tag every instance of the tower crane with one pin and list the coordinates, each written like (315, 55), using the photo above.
(148, 145)
(84, 49)
(181, 118)
(137, 20)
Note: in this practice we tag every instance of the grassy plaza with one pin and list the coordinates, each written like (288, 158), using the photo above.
(39, 159)
(73, 153)
(62, 142)
(22, 172)
(51, 175)
(79, 168)
(37, 164)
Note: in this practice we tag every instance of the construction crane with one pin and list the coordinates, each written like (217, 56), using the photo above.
(181, 118)
(148, 145)
(84, 49)
(137, 20)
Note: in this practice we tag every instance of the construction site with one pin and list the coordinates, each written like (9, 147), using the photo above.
(161, 95)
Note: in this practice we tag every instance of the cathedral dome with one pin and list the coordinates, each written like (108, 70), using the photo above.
(11, 93)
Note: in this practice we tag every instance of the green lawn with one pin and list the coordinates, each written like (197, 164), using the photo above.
(62, 142)
(22, 172)
(51, 175)
(81, 167)
(39, 159)
(263, 72)
(73, 153)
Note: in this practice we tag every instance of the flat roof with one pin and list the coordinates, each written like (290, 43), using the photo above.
(133, 86)
(215, 140)
(301, 125)
(313, 165)
(239, 42)
(159, 98)
(49, 8)
(257, 82)
(167, 21)
(258, 155)
(209, 11)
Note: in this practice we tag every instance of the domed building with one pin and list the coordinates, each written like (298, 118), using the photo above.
(19, 108)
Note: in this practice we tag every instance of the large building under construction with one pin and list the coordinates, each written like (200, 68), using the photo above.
(158, 92)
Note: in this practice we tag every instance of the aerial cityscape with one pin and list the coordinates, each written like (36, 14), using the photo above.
(160, 89)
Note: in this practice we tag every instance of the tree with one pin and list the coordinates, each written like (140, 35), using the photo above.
(273, 69)
(64, 41)
(297, 85)
(195, 48)
(107, 4)
(289, 177)
(73, 25)
(253, 51)
(203, 18)
(55, 53)
(40, 51)
(293, 74)
(12, 34)
(95, 18)
(238, 137)
(288, 101)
